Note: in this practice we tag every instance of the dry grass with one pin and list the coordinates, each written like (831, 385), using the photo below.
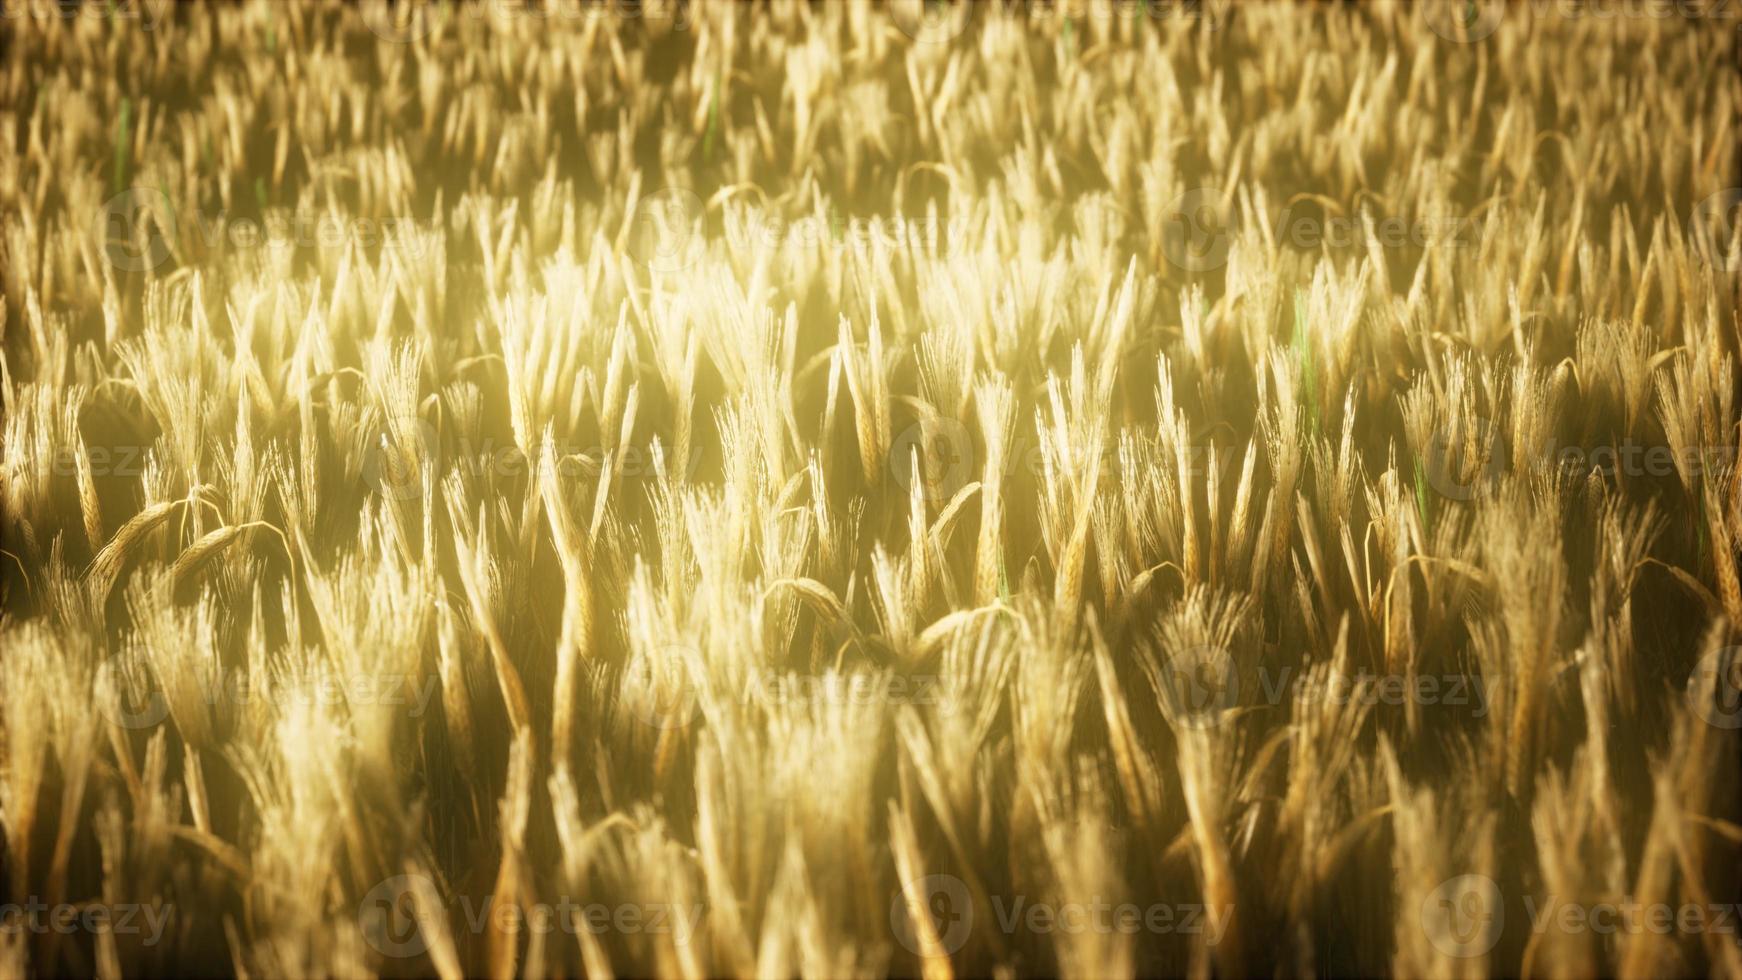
(1282, 480)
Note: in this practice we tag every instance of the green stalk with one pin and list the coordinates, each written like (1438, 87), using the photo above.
(709, 139)
(1423, 502)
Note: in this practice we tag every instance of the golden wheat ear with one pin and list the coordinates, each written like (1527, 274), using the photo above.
(106, 567)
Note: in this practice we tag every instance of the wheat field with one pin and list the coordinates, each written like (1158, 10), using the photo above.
(1096, 488)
